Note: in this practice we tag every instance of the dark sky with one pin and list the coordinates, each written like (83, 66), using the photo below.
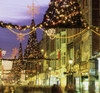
(8, 39)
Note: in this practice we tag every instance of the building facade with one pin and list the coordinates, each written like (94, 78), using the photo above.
(82, 73)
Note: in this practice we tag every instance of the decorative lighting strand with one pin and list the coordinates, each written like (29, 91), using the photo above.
(95, 32)
(23, 33)
(68, 36)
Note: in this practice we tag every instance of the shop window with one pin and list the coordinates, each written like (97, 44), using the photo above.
(77, 83)
(85, 84)
(71, 53)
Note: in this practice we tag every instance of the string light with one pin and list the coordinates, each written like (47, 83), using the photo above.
(65, 10)
(23, 33)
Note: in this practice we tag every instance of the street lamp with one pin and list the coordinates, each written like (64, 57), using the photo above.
(42, 50)
(70, 63)
(49, 68)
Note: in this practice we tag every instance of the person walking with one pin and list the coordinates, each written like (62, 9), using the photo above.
(12, 90)
(7, 90)
(56, 89)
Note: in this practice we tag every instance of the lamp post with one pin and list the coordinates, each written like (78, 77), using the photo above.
(42, 50)
(70, 63)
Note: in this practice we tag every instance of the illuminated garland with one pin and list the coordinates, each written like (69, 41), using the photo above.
(23, 33)
(20, 36)
(68, 36)
(95, 32)
(52, 36)
(72, 35)
(9, 25)
(60, 12)
(63, 12)
(67, 13)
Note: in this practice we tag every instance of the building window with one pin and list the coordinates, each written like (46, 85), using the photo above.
(71, 53)
(83, 3)
(64, 39)
(86, 16)
(59, 63)
(85, 51)
(86, 2)
(58, 43)
(63, 60)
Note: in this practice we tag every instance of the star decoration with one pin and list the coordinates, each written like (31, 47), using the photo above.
(33, 10)
(19, 27)
(4, 52)
(20, 37)
(14, 52)
(51, 33)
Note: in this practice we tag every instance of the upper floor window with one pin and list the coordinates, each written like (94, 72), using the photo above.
(64, 39)
(83, 3)
(58, 43)
(86, 2)
(63, 60)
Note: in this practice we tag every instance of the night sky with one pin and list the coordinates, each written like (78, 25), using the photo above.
(15, 12)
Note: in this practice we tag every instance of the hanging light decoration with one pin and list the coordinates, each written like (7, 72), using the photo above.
(4, 52)
(51, 33)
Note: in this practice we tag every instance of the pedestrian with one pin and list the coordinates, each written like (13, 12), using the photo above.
(1, 88)
(70, 89)
(56, 89)
(12, 90)
(7, 90)
(19, 90)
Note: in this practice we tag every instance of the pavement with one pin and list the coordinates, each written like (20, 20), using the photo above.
(40, 90)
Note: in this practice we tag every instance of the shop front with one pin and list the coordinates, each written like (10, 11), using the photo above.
(69, 79)
(62, 77)
(77, 83)
(84, 76)
(76, 76)
(85, 83)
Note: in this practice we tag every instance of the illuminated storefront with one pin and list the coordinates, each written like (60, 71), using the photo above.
(77, 83)
(85, 84)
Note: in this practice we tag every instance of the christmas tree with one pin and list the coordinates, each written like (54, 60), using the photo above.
(64, 13)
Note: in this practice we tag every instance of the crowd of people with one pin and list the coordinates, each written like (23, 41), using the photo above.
(54, 89)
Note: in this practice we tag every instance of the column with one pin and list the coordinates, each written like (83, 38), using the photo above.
(99, 72)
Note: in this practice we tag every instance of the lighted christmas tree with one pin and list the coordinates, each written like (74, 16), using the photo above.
(20, 54)
(32, 41)
(32, 52)
(64, 13)
(32, 49)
